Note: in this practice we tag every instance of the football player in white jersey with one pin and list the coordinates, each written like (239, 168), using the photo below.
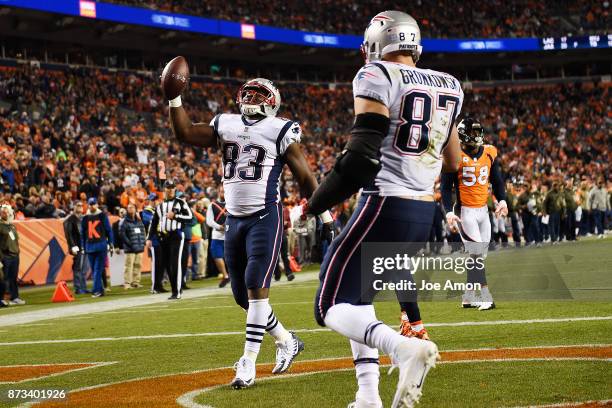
(403, 135)
(255, 146)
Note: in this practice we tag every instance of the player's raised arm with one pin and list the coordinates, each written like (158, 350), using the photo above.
(359, 163)
(174, 79)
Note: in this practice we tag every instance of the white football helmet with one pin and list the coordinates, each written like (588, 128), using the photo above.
(259, 96)
(391, 31)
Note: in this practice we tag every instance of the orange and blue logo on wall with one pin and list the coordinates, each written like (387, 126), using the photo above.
(43, 251)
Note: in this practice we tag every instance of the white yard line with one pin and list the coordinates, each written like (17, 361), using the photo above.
(93, 365)
(115, 304)
(569, 404)
(171, 309)
(187, 400)
(234, 333)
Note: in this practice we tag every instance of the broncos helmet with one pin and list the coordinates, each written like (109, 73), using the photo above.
(258, 96)
(471, 132)
(391, 31)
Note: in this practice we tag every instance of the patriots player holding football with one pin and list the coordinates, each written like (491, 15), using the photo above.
(478, 167)
(255, 146)
(403, 135)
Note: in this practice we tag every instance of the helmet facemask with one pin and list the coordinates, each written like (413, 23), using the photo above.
(471, 134)
(258, 98)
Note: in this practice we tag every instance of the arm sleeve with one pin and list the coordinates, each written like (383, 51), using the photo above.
(447, 185)
(210, 218)
(185, 216)
(497, 182)
(152, 232)
(373, 82)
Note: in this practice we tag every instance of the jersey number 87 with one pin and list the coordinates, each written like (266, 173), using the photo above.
(412, 135)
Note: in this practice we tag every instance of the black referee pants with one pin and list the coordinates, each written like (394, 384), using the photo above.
(157, 268)
(171, 257)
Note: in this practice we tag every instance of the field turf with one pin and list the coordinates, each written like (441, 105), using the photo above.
(159, 353)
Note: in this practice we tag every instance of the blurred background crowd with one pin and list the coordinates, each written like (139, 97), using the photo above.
(75, 133)
(440, 18)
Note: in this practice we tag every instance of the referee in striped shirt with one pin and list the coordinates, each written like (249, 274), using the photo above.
(167, 225)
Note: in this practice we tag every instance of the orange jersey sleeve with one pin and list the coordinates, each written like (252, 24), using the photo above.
(474, 177)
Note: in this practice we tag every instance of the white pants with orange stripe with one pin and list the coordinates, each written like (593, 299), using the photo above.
(475, 229)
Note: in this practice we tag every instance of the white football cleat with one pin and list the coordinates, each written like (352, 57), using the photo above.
(286, 353)
(467, 299)
(486, 302)
(359, 403)
(415, 358)
(476, 301)
(245, 373)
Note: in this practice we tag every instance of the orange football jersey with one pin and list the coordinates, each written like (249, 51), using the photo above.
(474, 176)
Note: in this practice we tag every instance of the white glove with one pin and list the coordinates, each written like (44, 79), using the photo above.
(452, 220)
(75, 250)
(501, 208)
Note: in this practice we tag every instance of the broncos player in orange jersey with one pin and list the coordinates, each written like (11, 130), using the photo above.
(478, 168)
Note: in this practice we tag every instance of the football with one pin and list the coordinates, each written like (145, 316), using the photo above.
(174, 77)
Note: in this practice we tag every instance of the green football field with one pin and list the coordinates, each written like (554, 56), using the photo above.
(549, 341)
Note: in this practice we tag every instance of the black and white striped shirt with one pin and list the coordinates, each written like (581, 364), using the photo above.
(161, 224)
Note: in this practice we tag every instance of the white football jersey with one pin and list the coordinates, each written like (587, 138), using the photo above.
(423, 105)
(253, 159)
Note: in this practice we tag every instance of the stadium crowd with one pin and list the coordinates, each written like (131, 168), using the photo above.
(68, 139)
(445, 18)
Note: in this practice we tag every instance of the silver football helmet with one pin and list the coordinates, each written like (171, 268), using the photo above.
(259, 96)
(391, 31)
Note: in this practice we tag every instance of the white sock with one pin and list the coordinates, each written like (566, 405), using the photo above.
(367, 372)
(257, 318)
(276, 328)
(484, 291)
(359, 323)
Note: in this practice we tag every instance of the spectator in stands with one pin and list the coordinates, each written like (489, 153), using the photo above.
(132, 233)
(9, 253)
(72, 232)
(45, 209)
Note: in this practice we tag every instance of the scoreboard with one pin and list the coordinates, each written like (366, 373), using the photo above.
(571, 43)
